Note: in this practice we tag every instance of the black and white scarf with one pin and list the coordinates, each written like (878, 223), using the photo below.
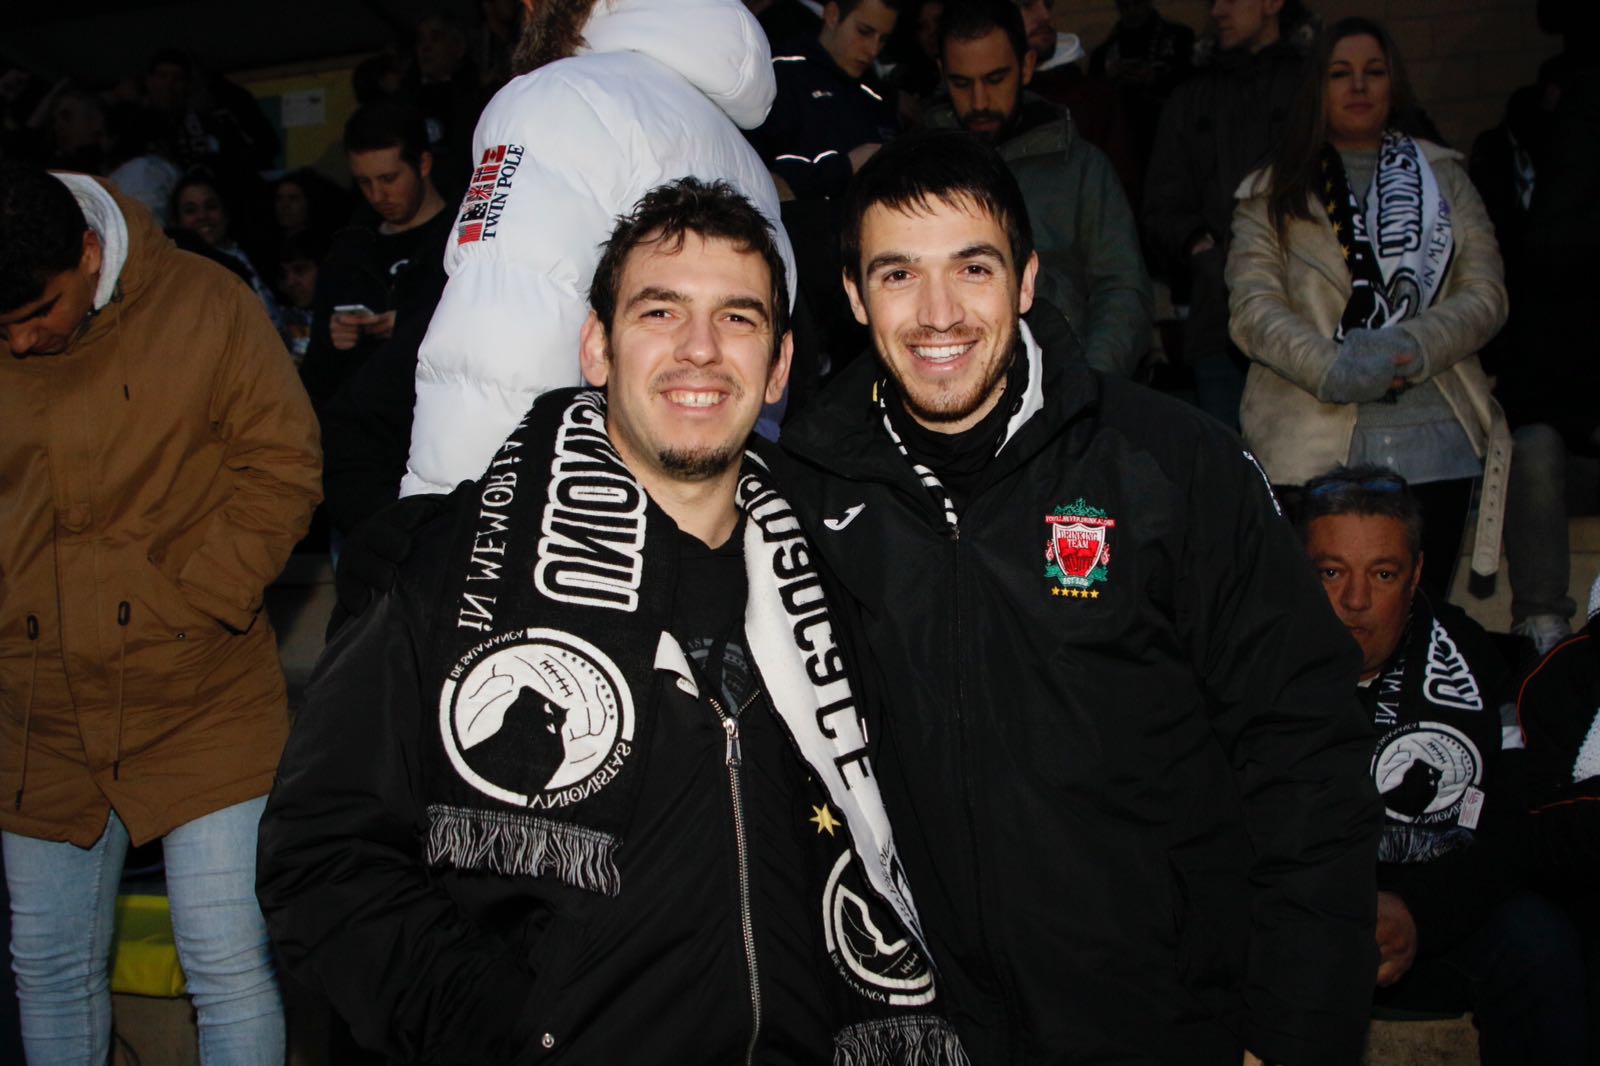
(1399, 246)
(545, 678)
(1437, 727)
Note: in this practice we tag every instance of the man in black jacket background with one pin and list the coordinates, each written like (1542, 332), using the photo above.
(1119, 744)
(1216, 128)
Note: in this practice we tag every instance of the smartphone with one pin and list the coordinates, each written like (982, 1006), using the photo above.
(353, 309)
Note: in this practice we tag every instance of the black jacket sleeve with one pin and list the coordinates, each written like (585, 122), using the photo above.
(340, 875)
(366, 429)
(797, 144)
(1174, 186)
(1279, 673)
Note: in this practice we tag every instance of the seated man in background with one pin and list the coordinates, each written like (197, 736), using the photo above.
(1457, 929)
(590, 780)
(1090, 268)
(832, 112)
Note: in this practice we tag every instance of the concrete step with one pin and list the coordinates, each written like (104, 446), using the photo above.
(1446, 1042)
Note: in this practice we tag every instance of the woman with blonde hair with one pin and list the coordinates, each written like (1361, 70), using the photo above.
(1363, 278)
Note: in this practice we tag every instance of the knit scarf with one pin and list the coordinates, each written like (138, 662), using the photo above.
(1435, 733)
(560, 595)
(1399, 246)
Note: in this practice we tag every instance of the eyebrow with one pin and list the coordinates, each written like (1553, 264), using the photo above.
(980, 250)
(38, 312)
(735, 301)
(1391, 562)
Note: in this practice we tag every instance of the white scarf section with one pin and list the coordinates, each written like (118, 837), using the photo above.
(105, 218)
(1407, 223)
(790, 629)
(1588, 761)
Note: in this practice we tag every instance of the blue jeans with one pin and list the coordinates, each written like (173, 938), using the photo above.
(62, 900)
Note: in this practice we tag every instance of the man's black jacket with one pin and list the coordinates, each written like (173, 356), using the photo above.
(820, 115)
(441, 966)
(1136, 806)
(1216, 128)
(361, 268)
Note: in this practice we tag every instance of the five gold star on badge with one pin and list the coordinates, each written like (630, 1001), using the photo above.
(823, 819)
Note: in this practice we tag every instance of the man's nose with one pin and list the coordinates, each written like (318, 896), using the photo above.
(940, 308)
(1356, 595)
(19, 339)
(699, 343)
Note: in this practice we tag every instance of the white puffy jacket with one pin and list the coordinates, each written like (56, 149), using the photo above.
(657, 94)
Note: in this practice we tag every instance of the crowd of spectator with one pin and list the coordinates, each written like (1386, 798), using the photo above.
(1261, 218)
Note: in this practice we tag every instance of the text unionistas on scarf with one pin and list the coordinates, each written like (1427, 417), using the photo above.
(592, 548)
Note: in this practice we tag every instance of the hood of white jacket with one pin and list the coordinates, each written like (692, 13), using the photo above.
(717, 45)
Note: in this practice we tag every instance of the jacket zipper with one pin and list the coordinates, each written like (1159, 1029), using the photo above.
(735, 763)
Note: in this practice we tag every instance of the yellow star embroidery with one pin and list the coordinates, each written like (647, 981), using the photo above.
(1345, 252)
(1094, 594)
(1337, 229)
(824, 819)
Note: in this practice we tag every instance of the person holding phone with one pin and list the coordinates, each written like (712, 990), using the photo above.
(378, 272)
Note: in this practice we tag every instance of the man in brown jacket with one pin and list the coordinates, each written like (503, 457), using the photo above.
(159, 461)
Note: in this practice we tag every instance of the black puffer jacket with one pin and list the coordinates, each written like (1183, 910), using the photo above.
(1135, 802)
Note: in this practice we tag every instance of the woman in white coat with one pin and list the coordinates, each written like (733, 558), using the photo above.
(1363, 278)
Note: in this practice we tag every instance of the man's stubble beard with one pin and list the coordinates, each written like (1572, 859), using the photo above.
(702, 464)
(957, 407)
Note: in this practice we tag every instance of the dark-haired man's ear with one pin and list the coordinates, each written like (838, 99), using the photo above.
(425, 163)
(857, 307)
(594, 352)
(93, 253)
(778, 372)
(1030, 63)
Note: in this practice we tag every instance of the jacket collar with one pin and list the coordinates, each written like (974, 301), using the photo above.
(842, 430)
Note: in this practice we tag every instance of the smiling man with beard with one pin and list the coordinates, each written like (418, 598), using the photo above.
(703, 871)
(1118, 739)
(1090, 268)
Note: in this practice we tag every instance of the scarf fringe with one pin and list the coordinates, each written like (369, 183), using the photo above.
(506, 842)
(1410, 843)
(917, 1040)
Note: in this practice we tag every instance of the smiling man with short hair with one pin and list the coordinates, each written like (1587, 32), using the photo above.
(591, 780)
(1118, 738)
